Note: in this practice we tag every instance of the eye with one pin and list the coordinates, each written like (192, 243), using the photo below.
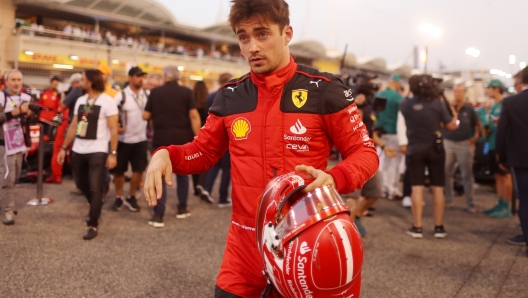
(243, 38)
(263, 34)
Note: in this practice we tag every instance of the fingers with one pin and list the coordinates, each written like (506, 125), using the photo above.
(308, 169)
(321, 179)
(158, 186)
(168, 174)
(150, 192)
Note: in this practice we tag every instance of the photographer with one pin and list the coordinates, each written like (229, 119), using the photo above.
(424, 115)
(14, 106)
(386, 124)
(372, 190)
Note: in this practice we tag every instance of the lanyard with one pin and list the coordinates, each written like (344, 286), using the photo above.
(136, 99)
(87, 108)
(8, 96)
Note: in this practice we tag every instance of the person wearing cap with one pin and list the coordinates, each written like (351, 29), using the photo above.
(132, 146)
(107, 73)
(459, 146)
(386, 127)
(50, 100)
(503, 180)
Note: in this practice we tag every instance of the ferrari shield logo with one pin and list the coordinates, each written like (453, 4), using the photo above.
(299, 97)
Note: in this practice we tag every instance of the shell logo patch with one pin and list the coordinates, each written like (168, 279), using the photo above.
(241, 128)
(299, 97)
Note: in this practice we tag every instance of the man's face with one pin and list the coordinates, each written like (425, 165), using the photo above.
(518, 85)
(135, 81)
(85, 84)
(263, 45)
(105, 78)
(14, 82)
(150, 83)
(460, 94)
(491, 92)
(54, 85)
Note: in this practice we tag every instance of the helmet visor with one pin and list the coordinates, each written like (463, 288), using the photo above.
(313, 207)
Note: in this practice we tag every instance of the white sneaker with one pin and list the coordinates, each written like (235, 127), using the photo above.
(406, 202)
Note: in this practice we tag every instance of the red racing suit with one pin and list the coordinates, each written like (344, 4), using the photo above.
(50, 102)
(270, 124)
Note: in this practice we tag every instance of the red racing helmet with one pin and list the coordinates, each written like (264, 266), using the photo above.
(309, 244)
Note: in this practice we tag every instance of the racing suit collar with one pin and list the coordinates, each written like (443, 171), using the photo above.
(277, 78)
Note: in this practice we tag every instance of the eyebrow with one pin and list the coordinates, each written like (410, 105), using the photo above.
(256, 29)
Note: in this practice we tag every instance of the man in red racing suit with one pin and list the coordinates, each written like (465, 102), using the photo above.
(278, 118)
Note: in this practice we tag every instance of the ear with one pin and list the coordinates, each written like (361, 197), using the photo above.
(288, 34)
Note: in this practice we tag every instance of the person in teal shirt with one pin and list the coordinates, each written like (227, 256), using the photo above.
(386, 123)
(503, 180)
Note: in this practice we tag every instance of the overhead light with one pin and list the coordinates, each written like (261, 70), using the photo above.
(426, 28)
(508, 75)
(115, 61)
(522, 65)
(73, 57)
(63, 66)
(473, 52)
(29, 53)
(512, 59)
(436, 32)
(195, 78)
(181, 68)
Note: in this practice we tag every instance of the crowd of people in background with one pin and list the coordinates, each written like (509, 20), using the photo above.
(108, 132)
(125, 40)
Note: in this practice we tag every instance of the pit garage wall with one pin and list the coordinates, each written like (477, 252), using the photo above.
(7, 21)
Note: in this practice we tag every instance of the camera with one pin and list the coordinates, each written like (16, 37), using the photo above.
(36, 109)
(361, 83)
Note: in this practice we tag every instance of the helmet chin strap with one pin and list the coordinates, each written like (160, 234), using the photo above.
(267, 290)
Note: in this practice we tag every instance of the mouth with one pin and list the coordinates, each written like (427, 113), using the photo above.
(256, 60)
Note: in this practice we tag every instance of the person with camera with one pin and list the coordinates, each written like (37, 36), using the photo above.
(94, 124)
(14, 106)
(386, 125)
(372, 190)
(459, 146)
(503, 179)
(425, 113)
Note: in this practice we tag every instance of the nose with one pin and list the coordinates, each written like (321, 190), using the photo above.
(253, 47)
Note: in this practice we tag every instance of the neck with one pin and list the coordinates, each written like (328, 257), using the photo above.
(459, 103)
(92, 94)
(134, 89)
(13, 92)
(285, 61)
(499, 98)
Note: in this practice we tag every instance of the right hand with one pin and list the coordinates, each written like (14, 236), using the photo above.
(60, 157)
(24, 108)
(403, 149)
(160, 165)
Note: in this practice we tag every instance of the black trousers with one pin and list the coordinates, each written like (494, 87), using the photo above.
(88, 172)
(219, 293)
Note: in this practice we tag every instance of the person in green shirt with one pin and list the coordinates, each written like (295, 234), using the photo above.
(386, 124)
(503, 179)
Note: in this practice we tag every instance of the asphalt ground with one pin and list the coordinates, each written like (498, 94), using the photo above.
(44, 255)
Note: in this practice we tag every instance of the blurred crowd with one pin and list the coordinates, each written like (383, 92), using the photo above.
(420, 135)
(125, 40)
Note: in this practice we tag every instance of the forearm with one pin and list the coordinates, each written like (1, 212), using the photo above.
(377, 140)
(203, 152)
(70, 135)
(113, 138)
(196, 124)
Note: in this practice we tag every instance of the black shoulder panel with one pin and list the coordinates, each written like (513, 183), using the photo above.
(313, 92)
(235, 97)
